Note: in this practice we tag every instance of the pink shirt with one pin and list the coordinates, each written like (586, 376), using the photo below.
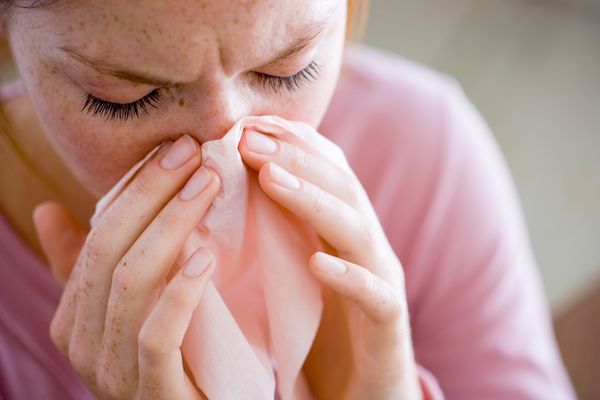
(480, 325)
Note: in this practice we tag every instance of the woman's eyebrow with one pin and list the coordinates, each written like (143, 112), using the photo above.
(116, 71)
(308, 35)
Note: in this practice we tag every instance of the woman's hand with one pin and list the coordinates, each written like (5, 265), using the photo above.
(121, 337)
(364, 351)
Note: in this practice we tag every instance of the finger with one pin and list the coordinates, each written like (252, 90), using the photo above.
(61, 326)
(342, 226)
(145, 266)
(258, 148)
(376, 298)
(60, 236)
(61, 240)
(117, 229)
(161, 368)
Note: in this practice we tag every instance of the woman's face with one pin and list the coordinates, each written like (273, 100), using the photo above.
(187, 67)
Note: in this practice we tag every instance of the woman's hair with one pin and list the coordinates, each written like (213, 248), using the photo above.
(357, 18)
(356, 22)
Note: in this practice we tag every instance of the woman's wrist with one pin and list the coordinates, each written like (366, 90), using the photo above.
(397, 379)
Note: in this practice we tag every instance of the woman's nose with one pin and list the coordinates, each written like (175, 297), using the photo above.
(216, 111)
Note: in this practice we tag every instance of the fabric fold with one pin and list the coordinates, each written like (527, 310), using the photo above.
(254, 328)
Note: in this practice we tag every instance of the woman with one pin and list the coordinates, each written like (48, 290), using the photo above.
(102, 83)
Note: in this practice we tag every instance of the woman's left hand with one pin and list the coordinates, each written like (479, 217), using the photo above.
(365, 275)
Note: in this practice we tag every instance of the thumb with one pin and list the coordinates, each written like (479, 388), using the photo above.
(60, 236)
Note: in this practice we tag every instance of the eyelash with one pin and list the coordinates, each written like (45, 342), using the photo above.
(123, 112)
(291, 83)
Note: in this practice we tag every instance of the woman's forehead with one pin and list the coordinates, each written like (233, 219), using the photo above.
(192, 32)
(183, 16)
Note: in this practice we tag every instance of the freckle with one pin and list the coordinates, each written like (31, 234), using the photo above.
(145, 32)
(181, 102)
(81, 24)
(70, 28)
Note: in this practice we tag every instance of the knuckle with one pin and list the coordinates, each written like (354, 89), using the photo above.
(150, 343)
(320, 200)
(368, 284)
(105, 382)
(391, 303)
(337, 148)
(97, 244)
(300, 160)
(109, 380)
(352, 189)
(143, 186)
(177, 301)
(79, 359)
(166, 221)
(367, 233)
(124, 278)
(58, 335)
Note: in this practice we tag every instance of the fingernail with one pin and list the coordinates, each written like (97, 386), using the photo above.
(196, 184)
(260, 143)
(330, 265)
(198, 263)
(283, 178)
(179, 153)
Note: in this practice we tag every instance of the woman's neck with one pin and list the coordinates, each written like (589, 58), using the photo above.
(30, 171)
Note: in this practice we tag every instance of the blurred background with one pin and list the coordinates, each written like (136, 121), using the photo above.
(532, 67)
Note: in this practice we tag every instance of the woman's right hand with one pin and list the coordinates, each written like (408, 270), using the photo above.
(121, 337)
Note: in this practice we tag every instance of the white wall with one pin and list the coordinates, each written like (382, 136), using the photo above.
(533, 70)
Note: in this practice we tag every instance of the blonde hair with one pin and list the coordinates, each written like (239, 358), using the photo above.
(357, 19)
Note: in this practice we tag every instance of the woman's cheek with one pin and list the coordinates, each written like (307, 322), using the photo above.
(95, 159)
(93, 151)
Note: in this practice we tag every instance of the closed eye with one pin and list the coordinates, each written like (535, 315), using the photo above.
(123, 112)
(290, 83)
(120, 112)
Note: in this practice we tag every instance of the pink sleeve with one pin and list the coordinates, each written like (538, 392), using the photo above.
(479, 318)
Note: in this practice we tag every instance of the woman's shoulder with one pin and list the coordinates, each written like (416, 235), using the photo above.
(390, 74)
(385, 106)
(379, 87)
(397, 119)
(413, 138)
